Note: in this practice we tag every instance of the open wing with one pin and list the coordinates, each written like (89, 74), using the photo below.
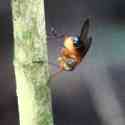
(85, 30)
(87, 46)
(85, 40)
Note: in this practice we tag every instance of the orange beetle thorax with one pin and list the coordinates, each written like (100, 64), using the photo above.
(70, 48)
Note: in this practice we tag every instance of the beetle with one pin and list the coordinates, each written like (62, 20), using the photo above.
(75, 48)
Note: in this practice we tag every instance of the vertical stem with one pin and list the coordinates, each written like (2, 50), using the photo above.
(34, 100)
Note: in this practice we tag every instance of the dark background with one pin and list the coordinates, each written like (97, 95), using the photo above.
(93, 94)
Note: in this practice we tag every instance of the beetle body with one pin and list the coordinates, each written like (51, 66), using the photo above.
(75, 49)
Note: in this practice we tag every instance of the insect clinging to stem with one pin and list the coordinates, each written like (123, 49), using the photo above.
(74, 50)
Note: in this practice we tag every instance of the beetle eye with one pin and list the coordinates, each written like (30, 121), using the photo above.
(75, 44)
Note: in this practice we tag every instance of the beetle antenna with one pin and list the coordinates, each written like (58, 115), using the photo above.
(53, 34)
(53, 64)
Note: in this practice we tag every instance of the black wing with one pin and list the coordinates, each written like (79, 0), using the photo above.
(85, 40)
(87, 46)
(85, 30)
